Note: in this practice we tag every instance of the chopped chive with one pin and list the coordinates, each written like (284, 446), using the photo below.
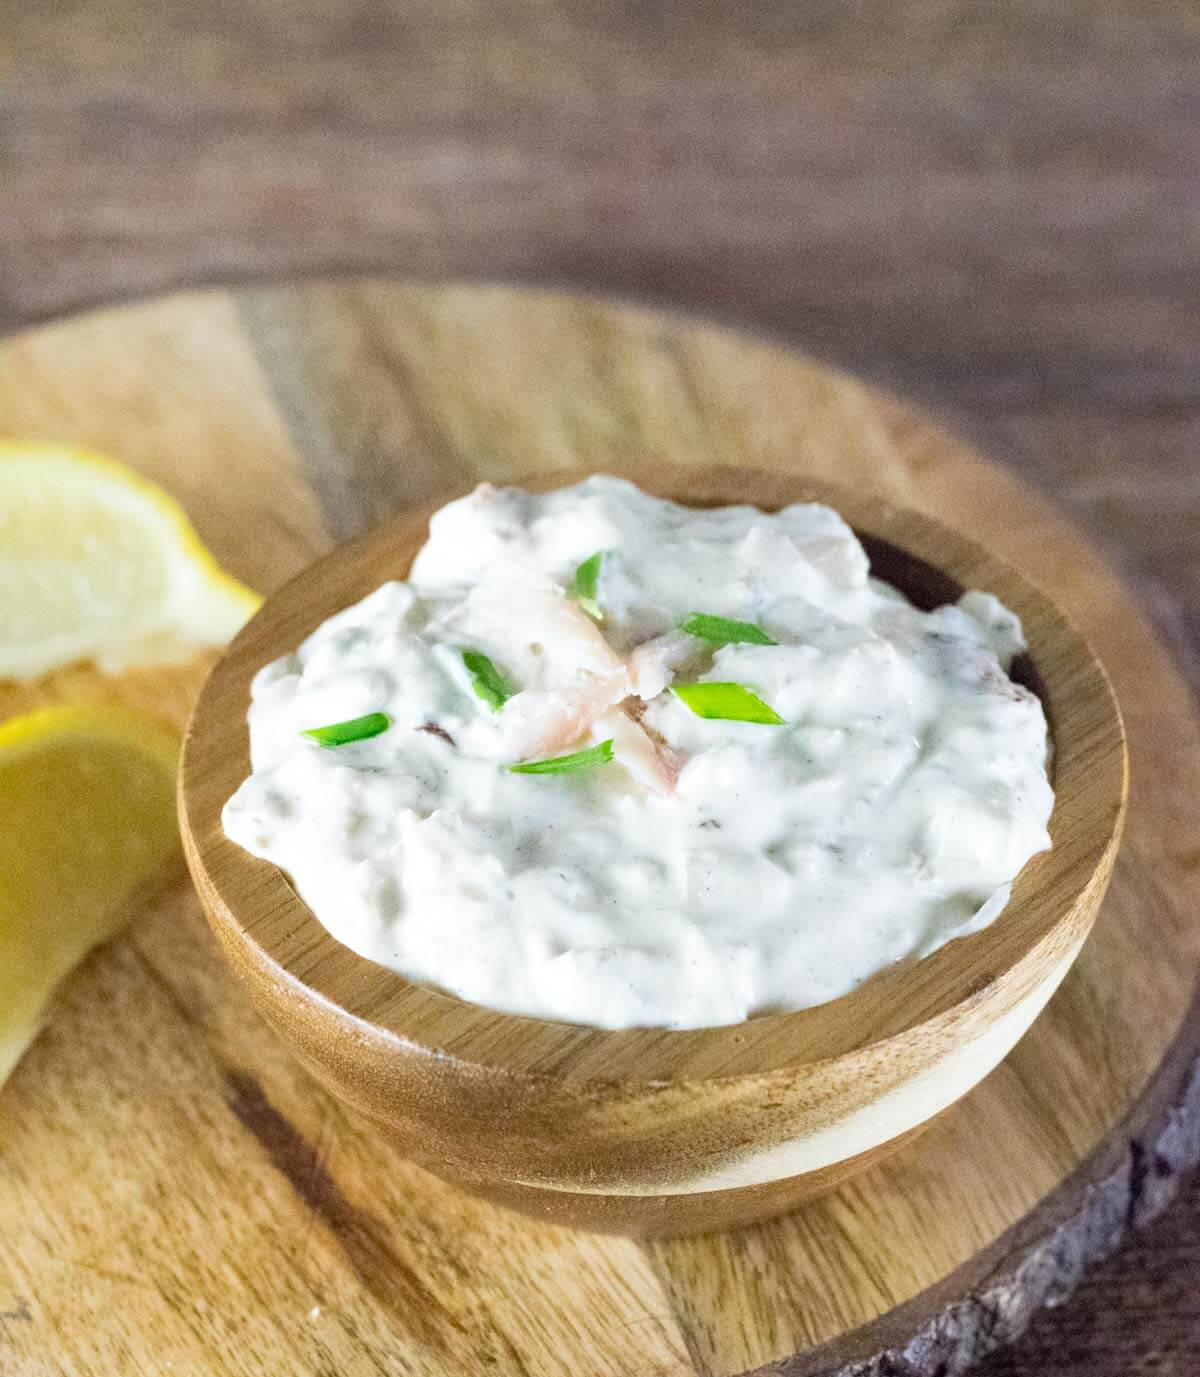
(566, 764)
(356, 729)
(585, 586)
(487, 681)
(724, 630)
(727, 703)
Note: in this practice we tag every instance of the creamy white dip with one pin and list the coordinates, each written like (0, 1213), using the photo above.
(713, 869)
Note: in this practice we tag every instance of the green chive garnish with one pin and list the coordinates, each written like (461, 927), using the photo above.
(586, 585)
(487, 681)
(727, 703)
(724, 630)
(567, 764)
(356, 729)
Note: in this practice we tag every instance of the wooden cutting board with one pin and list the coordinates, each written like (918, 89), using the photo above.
(177, 1196)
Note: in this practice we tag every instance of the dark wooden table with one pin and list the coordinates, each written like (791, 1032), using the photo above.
(993, 209)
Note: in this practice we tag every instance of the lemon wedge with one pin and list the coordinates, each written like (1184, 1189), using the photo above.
(97, 563)
(87, 823)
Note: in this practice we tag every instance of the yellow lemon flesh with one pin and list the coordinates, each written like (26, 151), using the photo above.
(87, 824)
(96, 563)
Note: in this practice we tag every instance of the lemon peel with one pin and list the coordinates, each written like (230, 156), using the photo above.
(97, 563)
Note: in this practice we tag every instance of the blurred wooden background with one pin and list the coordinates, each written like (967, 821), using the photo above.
(993, 209)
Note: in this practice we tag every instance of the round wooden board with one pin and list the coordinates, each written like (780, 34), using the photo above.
(176, 1195)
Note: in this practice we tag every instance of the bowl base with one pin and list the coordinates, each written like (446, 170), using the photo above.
(678, 1214)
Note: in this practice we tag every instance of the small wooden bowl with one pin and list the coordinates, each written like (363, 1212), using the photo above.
(649, 1131)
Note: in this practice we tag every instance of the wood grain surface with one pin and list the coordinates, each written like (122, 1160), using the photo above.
(993, 209)
(168, 1164)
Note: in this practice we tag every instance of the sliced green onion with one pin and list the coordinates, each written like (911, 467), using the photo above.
(487, 681)
(727, 703)
(567, 764)
(356, 729)
(586, 585)
(724, 630)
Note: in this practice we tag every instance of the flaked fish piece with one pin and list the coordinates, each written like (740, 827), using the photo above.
(650, 761)
(587, 679)
(580, 675)
(547, 721)
(556, 630)
(654, 663)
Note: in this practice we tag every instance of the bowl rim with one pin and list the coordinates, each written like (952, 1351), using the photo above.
(264, 924)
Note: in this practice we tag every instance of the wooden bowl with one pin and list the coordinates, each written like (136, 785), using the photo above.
(650, 1131)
